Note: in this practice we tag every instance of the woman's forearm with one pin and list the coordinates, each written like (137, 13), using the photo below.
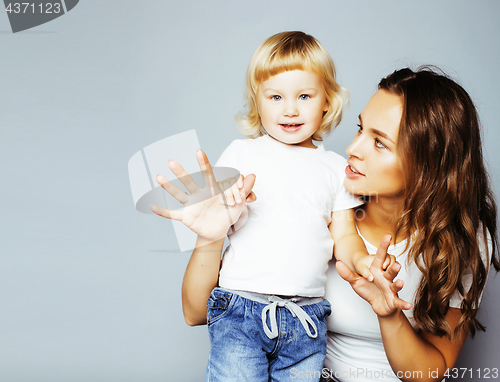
(201, 276)
(412, 356)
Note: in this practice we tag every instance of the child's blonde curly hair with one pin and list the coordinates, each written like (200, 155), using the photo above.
(291, 51)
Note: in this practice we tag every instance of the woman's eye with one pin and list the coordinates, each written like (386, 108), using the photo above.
(304, 96)
(360, 128)
(276, 98)
(379, 144)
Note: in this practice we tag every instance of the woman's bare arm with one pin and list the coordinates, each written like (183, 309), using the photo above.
(419, 356)
(413, 356)
(208, 211)
(201, 276)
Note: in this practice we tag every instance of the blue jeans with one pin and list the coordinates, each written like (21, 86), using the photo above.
(242, 351)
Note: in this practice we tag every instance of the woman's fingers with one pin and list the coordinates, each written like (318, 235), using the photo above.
(386, 268)
(393, 270)
(381, 254)
(165, 212)
(390, 288)
(401, 304)
(172, 189)
(389, 260)
(183, 176)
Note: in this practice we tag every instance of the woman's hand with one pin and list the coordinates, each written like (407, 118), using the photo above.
(208, 211)
(382, 292)
(363, 264)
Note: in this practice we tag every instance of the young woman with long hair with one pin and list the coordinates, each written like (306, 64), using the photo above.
(418, 151)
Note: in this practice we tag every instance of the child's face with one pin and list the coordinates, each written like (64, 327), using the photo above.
(291, 106)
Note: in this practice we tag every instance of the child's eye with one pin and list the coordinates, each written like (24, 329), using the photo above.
(304, 96)
(360, 128)
(276, 98)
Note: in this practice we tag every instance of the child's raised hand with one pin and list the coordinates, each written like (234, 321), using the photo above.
(205, 209)
(232, 189)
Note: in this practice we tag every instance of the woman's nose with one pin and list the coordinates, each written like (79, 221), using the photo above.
(355, 149)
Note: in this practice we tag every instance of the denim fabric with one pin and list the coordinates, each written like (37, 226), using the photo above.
(241, 351)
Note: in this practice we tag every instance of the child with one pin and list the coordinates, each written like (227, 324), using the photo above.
(267, 317)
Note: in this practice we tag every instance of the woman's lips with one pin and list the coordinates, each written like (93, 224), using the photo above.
(352, 172)
(289, 128)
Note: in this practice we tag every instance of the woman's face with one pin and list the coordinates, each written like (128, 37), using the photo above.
(373, 167)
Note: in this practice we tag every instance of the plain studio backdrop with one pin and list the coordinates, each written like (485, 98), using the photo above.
(89, 287)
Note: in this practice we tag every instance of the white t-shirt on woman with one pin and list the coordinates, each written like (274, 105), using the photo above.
(355, 351)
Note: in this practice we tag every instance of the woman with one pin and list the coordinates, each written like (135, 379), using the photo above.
(417, 158)
(418, 151)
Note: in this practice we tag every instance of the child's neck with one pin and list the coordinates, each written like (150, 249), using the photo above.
(308, 143)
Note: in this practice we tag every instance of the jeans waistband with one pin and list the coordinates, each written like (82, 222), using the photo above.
(292, 304)
(264, 298)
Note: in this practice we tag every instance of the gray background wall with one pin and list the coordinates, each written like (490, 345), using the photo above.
(89, 287)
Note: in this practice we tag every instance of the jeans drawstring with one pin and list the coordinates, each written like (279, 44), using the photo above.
(294, 309)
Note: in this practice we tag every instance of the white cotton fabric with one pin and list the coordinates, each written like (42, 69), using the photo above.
(355, 351)
(284, 247)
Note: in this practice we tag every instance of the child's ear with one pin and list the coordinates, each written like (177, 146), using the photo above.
(325, 109)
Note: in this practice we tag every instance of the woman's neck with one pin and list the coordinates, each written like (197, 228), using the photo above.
(379, 218)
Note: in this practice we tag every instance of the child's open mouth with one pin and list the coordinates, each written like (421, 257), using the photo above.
(291, 127)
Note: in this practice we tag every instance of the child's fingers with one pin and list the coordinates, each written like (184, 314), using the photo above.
(231, 193)
(226, 184)
(365, 272)
(344, 272)
(228, 195)
(389, 260)
(251, 198)
(248, 183)
(238, 189)
(236, 192)
(166, 213)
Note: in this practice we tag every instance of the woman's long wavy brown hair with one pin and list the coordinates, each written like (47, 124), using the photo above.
(449, 210)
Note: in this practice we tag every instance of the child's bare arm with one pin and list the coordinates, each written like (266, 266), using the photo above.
(348, 245)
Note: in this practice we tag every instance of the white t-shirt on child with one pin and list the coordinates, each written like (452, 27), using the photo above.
(285, 245)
